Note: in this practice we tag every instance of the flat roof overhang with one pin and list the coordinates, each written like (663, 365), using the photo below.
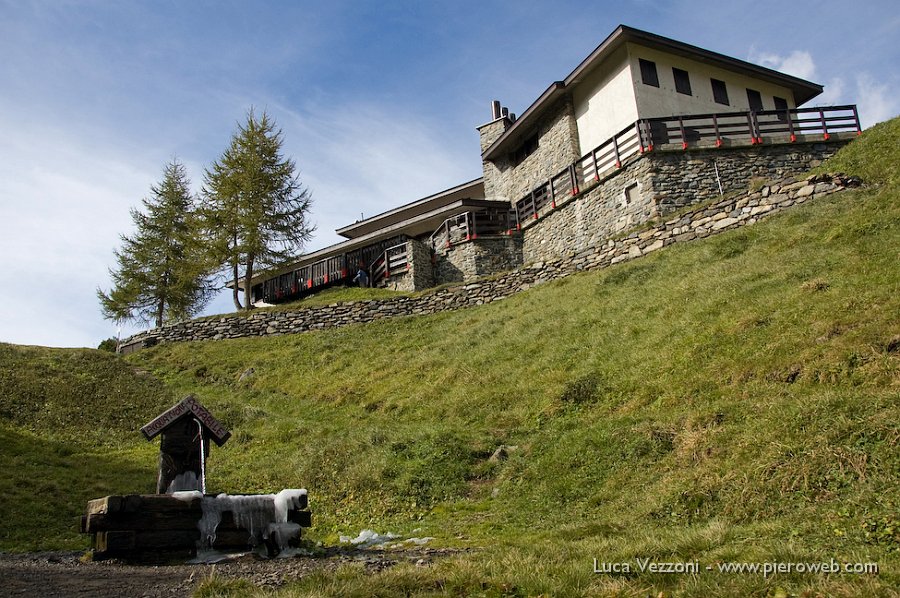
(472, 190)
(415, 226)
(803, 90)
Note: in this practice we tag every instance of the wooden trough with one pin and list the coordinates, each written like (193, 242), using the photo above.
(161, 526)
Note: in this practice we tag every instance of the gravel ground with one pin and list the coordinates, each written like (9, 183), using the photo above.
(65, 574)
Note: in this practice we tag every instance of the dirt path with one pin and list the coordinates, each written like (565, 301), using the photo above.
(64, 574)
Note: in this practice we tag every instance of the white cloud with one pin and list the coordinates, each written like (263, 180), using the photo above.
(798, 63)
(877, 102)
(367, 158)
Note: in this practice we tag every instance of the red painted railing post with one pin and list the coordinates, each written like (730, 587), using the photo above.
(552, 193)
(825, 135)
(716, 130)
(750, 130)
(790, 117)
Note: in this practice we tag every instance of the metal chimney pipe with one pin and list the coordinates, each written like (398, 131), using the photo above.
(512, 117)
(495, 109)
(504, 112)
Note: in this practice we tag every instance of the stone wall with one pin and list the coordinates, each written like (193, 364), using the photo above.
(660, 182)
(723, 215)
(421, 267)
(594, 215)
(488, 133)
(557, 148)
(484, 256)
(681, 177)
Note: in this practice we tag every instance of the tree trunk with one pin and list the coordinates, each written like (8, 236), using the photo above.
(160, 310)
(237, 301)
(248, 303)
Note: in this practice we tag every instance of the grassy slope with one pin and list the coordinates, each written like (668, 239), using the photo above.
(68, 432)
(731, 399)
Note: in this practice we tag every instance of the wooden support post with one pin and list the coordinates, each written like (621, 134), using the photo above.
(615, 142)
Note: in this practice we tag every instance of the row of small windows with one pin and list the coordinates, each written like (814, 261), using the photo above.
(650, 77)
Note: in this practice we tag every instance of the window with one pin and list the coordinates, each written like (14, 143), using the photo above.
(631, 195)
(528, 147)
(755, 100)
(682, 81)
(782, 106)
(720, 92)
(648, 72)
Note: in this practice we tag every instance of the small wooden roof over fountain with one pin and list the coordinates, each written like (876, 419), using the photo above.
(188, 407)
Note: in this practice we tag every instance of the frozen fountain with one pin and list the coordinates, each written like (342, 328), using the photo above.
(181, 520)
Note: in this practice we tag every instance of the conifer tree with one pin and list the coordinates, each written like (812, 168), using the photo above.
(162, 273)
(255, 209)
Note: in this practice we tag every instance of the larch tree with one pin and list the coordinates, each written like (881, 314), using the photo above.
(161, 272)
(255, 209)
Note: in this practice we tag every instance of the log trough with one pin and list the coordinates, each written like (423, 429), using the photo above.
(154, 527)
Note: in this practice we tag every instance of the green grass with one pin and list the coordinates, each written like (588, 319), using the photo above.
(732, 399)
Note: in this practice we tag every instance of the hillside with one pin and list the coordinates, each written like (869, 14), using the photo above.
(732, 399)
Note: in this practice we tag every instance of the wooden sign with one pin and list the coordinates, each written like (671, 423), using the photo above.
(186, 430)
(189, 405)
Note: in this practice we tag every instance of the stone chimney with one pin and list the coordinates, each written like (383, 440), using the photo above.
(500, 121)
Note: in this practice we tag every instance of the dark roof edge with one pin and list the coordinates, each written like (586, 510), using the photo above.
(632, 34)
(450, 191)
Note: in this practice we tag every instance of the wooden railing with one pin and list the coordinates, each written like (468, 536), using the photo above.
(394, 259)
(470, 225)
(718, 129)
(336, 269)
(752, 127)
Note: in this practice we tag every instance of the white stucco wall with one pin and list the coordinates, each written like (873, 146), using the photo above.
(613, 95)
(665, 101)
(604, 101)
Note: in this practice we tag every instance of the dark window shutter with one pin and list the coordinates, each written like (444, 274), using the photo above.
(648, 72)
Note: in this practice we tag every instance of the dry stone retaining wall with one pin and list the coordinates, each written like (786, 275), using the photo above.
(658, 183)
(725, 214)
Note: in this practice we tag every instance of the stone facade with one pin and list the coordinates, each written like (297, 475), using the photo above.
(726, 214)
(421, 270)
(658, 183)
(476, 258)
(488, 133)
(680, 178)
(557, 148)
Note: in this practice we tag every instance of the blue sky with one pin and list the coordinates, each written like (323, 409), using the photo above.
(378, 103)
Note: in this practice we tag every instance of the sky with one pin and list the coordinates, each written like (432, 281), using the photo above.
(377, 101)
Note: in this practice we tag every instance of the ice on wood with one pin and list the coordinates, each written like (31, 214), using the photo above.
(264, 516)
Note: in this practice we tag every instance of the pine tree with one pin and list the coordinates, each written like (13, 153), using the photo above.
(255, 209)
(161, 274)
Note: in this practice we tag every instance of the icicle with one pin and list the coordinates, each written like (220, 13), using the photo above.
(262, 515)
